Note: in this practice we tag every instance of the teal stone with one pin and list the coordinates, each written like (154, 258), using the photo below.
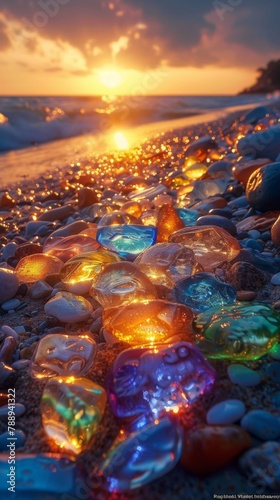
(241, 331)
(188, 216)
(137, 459)
(128, 241)
(39, 476)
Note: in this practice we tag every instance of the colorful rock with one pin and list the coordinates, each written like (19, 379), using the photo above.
(71, 409)
(156, 380)
(117, 218)
(71, 246)
(168, 222)
(148, 323)
(36, 267)
(142, 457)
(208, 449)
(127, 240)
(211, 245)
(203, 290)
(239, 331)
(122, 283)
(166, 263)
(59, 354)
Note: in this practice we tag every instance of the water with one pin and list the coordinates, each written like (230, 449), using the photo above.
(71, 127)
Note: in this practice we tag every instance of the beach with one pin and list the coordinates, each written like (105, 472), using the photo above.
(112, 178)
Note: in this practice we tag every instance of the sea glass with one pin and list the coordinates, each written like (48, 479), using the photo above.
(71, 246)
(117, 218)
(60, 354)
(43, 472)
(188, 216)
(86, 267)
(159, 379)
(148, 193)
(71, 410)
(122, 283)
(36, 267)
(148, 323)
(127, 240)
(168, 222)
(166, 263)
(141, 457)
(238, 331)
(211, 245)
(203, 290)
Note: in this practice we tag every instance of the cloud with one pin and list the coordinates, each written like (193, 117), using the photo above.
(4, 39)
(142, 34)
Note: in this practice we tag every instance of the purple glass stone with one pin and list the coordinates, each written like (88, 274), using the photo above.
(159, 379)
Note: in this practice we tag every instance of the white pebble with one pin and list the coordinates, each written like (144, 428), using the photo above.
(226, 412)
(241, 375)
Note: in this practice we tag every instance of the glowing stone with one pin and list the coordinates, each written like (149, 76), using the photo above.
(141, 457)
(166, 263)
(203, 290)
(71, 246)
(71, 410)
(168, 222)
(84, 269)
(117, 218)
(43, 473)
(122, 283)
(188, 216)
(211, 245)
(238, 331)
(148, 323)
(128, 240)
(36, 267)
(159, 379)
(59, 354)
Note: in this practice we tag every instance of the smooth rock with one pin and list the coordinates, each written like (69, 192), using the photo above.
(146, 455)
(272, 371)
(9, 285)
(262, 187)
(217, 220)
(245, 276)
(275, 280)
(208, 449)
(72, 228)
(40, 290)
(226, 412)
(59, 213)
(69, 308)
(262, 424)
(246, 295)
(244, 169)
(241, 375)
(264, 144)
(36, 267)
(86, 197)
(10, 304)
(19, 409)
(7, 349)
(9, 332)
(33, 226)
(262, 464)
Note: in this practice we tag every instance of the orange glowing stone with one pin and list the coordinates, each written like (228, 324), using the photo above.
(211, 245)
(84, 269)
(148, 323)
(132, 208)
(168, 222)
(122, 283)
(37, 266)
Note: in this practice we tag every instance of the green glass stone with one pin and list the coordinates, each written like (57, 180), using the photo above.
(242, 331)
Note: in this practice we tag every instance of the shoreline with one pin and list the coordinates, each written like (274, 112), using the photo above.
(65, 183)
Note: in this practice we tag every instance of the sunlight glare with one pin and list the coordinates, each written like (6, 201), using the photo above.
(121, 141)
(110, 78)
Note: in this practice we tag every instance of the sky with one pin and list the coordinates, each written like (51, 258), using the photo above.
(132, 47)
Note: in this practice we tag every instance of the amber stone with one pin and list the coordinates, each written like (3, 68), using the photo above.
(210, 448)
(36, 267)
(168, 222)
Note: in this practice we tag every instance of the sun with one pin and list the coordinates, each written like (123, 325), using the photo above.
(110, 78)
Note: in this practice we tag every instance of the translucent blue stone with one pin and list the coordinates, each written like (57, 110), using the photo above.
(40, 476)
(188, 216)
(202, 291)
(152, 381)
(127, 240)
(137, 459)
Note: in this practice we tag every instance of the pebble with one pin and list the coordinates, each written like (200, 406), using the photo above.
(246, 295)
(262, 188)
(9, 285)
(40, 290)
(19, 438)
(20, 364)
(262, 465)
(10, 304)
(60, 213)
(9, 332)
(241, 375)
(226, 412)
(69, 308)
(264, 144)
(245, 276)
(262, 424)
(19, 409)
(208, 449)
(275, 280)
(253, 233)
(272, 371)
(217, 220)
(72, 228)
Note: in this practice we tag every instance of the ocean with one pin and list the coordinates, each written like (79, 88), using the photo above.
(39, 133)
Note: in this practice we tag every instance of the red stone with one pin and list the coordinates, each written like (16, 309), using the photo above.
(210, 448)
(87, 197)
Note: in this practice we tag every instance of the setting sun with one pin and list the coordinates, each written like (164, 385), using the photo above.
(111, 78)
